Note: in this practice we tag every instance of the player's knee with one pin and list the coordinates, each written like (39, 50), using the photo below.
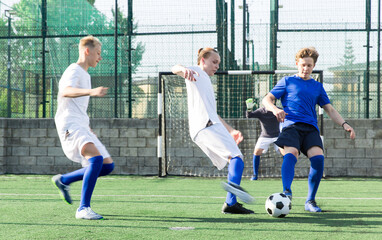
(293, 151)
(107, 160)
(315, 151)
(258, 151)
(317, 160)
(96, 160)
(89, 150)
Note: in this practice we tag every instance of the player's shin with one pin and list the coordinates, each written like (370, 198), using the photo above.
(235, 172)
(287, 171)
(74, 176)
(90, 178)
(315, 175)
(256, 163)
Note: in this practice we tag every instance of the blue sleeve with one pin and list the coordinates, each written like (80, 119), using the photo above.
(279, 90)
(323, 98)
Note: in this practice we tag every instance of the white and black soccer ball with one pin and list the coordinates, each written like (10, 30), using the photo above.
(278, 205)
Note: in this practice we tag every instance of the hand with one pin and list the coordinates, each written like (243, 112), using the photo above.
(348, 128)
(98, 92)
(189, 74)
(237, 136)
(280, 114)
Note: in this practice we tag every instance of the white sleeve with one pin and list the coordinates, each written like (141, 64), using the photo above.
(69, 79)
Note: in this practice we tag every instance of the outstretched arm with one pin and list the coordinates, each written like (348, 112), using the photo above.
(337, 118)
(184, 72)
(236, 134)
(72, 92)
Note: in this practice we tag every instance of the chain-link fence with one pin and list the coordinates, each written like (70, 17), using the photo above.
(39, 40)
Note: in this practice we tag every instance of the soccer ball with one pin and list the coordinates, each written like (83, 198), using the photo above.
(278, 205)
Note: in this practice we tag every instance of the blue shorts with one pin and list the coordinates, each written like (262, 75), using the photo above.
(301, 136)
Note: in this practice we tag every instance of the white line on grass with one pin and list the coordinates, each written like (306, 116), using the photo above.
(180, 196)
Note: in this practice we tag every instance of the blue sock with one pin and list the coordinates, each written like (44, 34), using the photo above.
(78, 175)
(287, 171)
(315, 175)
(235, 171)
(256, 163)
(74, 176)
(107, 168)
(90, 178)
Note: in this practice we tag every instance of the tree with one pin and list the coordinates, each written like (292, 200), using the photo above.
(137, 50)
(348, 57)
(137, 47)
(76, 17)
(91, 2)
(3, 77)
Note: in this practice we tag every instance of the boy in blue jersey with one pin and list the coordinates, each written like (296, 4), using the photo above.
(299, 95)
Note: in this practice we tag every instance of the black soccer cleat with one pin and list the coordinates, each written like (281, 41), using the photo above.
(237, 208)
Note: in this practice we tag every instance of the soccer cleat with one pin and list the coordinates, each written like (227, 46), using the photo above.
(238, 191)
(237, 208)
(254, 177)
(288, 193)
(64, 189)
(311, 206)
(88, 214)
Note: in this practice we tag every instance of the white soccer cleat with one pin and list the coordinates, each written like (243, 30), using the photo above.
(88, 214)
(238, 192)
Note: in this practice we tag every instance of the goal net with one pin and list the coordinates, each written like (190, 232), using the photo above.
(178, 155)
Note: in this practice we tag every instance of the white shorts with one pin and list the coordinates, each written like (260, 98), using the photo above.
(264, 143)
(216, 142)
(73, 140)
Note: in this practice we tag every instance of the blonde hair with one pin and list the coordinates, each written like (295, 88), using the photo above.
(307, 52)
(205, 53)
(89, 41)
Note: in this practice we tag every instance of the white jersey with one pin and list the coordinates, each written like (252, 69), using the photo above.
(201, 102)
(72, 120)
(73, 110)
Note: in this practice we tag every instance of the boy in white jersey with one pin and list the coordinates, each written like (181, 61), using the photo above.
(78, 141)
(213, 135)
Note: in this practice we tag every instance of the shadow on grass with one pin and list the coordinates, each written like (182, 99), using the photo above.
(353, 223)
(331, 219)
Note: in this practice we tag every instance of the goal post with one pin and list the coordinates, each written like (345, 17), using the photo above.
(178, 155)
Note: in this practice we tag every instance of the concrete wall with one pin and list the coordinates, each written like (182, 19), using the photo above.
(31, 146)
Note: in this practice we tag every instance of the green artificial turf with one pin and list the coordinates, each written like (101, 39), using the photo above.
(186, 208)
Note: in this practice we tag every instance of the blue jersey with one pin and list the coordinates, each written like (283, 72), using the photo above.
(299, 98)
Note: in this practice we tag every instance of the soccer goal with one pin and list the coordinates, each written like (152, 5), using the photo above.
(178, 155)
